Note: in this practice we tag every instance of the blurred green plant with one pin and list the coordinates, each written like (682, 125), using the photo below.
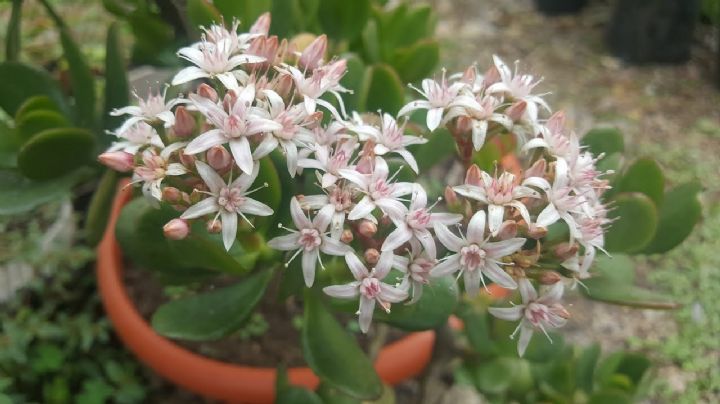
(50, 135)
(549, 372)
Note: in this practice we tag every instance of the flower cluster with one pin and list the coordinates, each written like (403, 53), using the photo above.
(201, 154)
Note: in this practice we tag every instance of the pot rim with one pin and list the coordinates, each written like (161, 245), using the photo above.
(397, 361)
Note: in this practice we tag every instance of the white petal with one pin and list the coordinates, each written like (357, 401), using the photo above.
(362, 209)
(384, 264)
(298, 216)
(526, 333)
(434, 116)
(448, 239)
(188, 74)
(211, 138)
(471, 191)
(355, 177)
(448, 266)
(499, 249)
(228, 80)
(367, 306)
(396, 238)
(240, 149)
(348, 291)
(498, 275)
(412, 106)
(309, 262)
(409, 159)
(548, 216)
(496, 213)
(268, 144)
(209, 176)
(507, 313)
(285, 243)
(476, 228)
(357, 268)
(527, 290)
(428, 242)
(391, 294)
(253, 207)
(392, 208)
(331, 246)
(202, 208)
(229, 228)
(472, 282)
(479, 129)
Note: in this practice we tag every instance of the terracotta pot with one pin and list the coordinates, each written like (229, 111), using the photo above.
(396, 362)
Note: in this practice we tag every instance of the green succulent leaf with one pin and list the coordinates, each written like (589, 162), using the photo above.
(609, 290)
(285, 393)
(12, 37)
(33, 122)
(152, 37)
(623, 370)
(492, 376)
(325, 341)
(477, 329)
(371, 42)
(9, 146)
(116, 82)
(406, 25)
(585, 367)
(644, 176)
(417, 60)
(287, 18)
(211, 315)
(618, 267)
(439, 147)
(604, 140)
(99, 209)
(635, 223)
(679, 213)
(53, 153)
(36, 103)
(247, 11)
(202, 13)
(437, 303)
(82, 80)
(354, 79)
(270, 195)
(21, 195)
(384, 89)
(610, 396)
(27, 81)
(342, 19)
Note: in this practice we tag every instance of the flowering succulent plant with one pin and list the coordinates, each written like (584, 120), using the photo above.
(266, 139)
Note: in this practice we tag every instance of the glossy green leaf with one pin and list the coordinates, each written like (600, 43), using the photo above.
(644, 176)
(342, 19)
(432, 310)
(679, 213)
(285, 393)
(12, 36)
(439, 148)
(211, 315)
(9, 146)
(334, 355)
(98, 211)
(405, 25)
(82, 80)
(36, 103)
(153, 37)
(286, 18)
(585, 367)
(21, 195)
(417, 61)
(618, 267)
(371, 42)
(201, 13)
(477, 329)
(384, 89)
(604, 140)
(623, 370)
(270, 195)
(610, 396)
(116, 82)
(33, 122)
(492, 376)
(247, 11)
(27, 81)
(635, 221)
(55, 152)
(625, 294)
(488, 156)
(354, 80)
(329, 394)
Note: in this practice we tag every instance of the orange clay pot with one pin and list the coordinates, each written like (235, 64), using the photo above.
(398, 361)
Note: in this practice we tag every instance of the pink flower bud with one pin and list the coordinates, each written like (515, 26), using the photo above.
(556, 123)
(371, 256)
(208, 92)
(565, 250)
(508, 229)
(451, 197)
(537, 169)
(367, 228)
(473, 176)
(184, 122)
(313, 55)
(261, 25)
(176, 229)
(463, 124)
(492, 76)
(346, 236)
(188, 160)
(284, 85)
(229, 100)
(549, 278)
(171, 195)
(219, 158)
(536, 232)
(516, 111)
(214, 226)
(470, 75)
(119, 160)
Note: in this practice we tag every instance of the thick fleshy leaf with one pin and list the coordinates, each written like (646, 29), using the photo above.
(342, 19)
(404, 25)
(286, 18)
(370, 42)
(354, 80)
(610, 396)
(26, 82)
(679, 213)
(631, 366)
(9, 146)
(21, 195)
(439, 147)
(604, 140)
(585, 367)
(247, 11)
(334, 355)
(488, 156)
(116, 81)
(477, 329)
(618, 267)
(99, 209)
(437, 303)
(285, 393)
(635, 223)
(417, 61)
(270, 195)
(202, 13)
(384, 89)
(36, 103)
(82, 80)
(12, 36)
(153, 38)
(492, 377)
(625, 294)
(55, 152)
(211, 315)
(644, 176)
(33, 122)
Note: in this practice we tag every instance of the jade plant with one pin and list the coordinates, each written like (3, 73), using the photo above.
(49, 134)
(263, 172)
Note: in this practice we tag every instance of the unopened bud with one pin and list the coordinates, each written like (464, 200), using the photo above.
(184, 122)
(261, 25)
(549, 278)
(473, 176)
(463, 124)
(313, 55)
(214, 226)
(188, 160)
(536, 232)
(556, 123)
(219, 158)
(301, 41)
(372, 256)
(118, 160)
(451, 197)
(566, 250)
(470, 75)
(229, 100)
(537, 169)
(171, 195)
(367, 228)
(176, 229)
(283, 85)
(516, 111)
(508, 229)
(346, 236)
(492, 76)
(208, 92)
(560, 310)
